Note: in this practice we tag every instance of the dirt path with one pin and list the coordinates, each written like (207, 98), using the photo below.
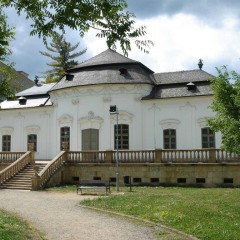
(60, 217)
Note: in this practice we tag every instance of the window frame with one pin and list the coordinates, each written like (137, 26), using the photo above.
(65, 137)
(172, 138)
(208, 143)
(123, 136)
(32, 138)
(7, 143)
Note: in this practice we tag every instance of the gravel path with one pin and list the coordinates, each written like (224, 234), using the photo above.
(58, 216)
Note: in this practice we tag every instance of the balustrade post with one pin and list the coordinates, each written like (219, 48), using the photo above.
(158, 156)
(31, 149)
(212, 155)
(36, 182)
(65, 148)
(109, 156)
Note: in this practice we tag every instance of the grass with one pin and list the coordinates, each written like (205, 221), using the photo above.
(14, 228)
(212, 213)
(62, 188)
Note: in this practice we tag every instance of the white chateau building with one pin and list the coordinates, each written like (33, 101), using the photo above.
(155, 110)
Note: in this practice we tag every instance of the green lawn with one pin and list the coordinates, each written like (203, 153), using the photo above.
(14, 228)
(207, 213)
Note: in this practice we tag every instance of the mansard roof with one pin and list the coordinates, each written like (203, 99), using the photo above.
(176, 84)
(108, 57)
(182, 77)
(109, 67)
(36, 90)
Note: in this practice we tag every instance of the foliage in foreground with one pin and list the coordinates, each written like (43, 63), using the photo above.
(6, 35)
(226, 105)
(8, 86)
(14, 228)
(108, 17)
(204, 213)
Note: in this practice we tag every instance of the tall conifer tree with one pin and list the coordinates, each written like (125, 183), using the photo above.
(63, 58)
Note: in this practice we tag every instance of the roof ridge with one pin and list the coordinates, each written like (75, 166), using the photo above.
(181, 71)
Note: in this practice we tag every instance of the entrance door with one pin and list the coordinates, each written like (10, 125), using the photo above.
(90, 142)
(90, 139)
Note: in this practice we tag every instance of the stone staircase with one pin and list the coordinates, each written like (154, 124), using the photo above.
(22, 180)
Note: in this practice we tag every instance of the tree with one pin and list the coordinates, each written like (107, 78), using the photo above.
(64, 60)
(7, 74)
(109, 17)
(6, 35)
(226, 105)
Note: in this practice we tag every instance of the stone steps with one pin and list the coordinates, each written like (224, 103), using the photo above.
(23, 179)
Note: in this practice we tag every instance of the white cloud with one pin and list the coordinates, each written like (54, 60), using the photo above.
(180, 40)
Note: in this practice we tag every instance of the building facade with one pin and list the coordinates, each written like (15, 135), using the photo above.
(153, 111)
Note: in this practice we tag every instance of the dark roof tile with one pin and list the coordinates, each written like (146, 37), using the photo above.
(182, 77)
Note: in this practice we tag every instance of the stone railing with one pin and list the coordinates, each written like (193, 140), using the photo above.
(154, 156)
(39, 180)
(222, 156)
(142, 156)
(10, 157)
(16, 166)
(186, 155)
(87, 156)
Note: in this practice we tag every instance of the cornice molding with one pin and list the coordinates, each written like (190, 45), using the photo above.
(6, 130)
(33, 129)
(169, 123)
(65, 119)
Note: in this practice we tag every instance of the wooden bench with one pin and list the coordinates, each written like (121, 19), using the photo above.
(93, 184)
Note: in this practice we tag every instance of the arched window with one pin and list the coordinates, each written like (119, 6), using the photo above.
(121, 136)
(32, 138)
(65, 137)
(6, 143)
(208, 138)
(169, 139)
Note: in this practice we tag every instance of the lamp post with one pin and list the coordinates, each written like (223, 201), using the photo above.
(114, 110)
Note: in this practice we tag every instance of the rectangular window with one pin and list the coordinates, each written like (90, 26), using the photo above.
(65, 137)
(32, 138)
(228, 180)
(137, 180)
(121, 136)
(200, 180)
(154, 180)
(169, 139)
(181, 180)
(208, 138)
(6, 143)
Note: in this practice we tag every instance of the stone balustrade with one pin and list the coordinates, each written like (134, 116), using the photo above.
(10, 157)
(15, 167)
(153, 156)
(39, 180)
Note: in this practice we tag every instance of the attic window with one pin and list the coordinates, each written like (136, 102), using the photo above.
(191, 86)
(122, 71)
(22, 100)
(69, 77)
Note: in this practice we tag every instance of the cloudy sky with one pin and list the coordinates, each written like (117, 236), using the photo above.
(183, 31)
